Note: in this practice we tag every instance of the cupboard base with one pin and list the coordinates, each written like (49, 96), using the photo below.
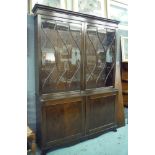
(74, 142)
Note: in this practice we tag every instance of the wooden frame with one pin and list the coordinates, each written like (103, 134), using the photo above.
(31, 138)
(124, 48)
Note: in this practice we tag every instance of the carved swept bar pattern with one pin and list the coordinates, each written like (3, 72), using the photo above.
(55, 66)
(63, 40)
(103, 65)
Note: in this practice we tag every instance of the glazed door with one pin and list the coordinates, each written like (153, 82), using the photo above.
(60, 55)
(68, 64)
(100, 56)
(99, 73)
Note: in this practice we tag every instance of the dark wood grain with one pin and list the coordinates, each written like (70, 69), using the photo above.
(119, 106)
(38, 7)
(64, 118)
(100, 112)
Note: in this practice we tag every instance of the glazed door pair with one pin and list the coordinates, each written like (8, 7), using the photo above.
(75, 56)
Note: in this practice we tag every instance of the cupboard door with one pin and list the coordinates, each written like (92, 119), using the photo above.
(63, 120)
(61, 56)
(100, 112)
(100, 56)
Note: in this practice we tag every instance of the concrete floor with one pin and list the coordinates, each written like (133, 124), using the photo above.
(111, 143)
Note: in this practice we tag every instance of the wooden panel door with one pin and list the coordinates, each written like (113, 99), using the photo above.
(63, 120)
(100, 112)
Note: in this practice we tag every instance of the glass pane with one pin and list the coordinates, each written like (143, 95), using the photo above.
(93, 7)
(100, 48)
(110, 58)
(61, 56)
(119, 12)
(52, 3)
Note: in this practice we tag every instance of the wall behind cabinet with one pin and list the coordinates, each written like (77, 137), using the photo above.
(119, 33)
(31, 108)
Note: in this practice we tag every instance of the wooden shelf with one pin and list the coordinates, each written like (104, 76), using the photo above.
(124, 80)
(125, 92)
(124, 73)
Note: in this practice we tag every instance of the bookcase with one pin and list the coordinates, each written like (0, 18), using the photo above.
(75, 76)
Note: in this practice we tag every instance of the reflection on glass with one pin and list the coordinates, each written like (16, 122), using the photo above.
(100, 57)
(61, 59)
